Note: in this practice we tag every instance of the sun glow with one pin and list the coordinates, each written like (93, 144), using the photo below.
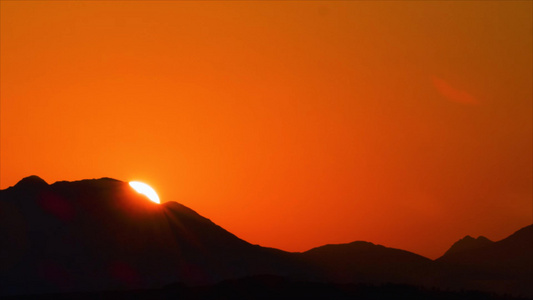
(143, 188)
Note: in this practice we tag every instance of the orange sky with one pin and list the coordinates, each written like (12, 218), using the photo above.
(290, 124)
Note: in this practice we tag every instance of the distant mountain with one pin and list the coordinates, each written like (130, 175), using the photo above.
(99, 234)
(512, 254)
(502, 266)
(467, 243)
(369, 263)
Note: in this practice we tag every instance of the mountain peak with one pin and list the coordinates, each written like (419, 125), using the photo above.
(482, 239)
(468, 243)
(32, 181)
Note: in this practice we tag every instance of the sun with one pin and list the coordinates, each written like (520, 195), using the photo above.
(143, 188)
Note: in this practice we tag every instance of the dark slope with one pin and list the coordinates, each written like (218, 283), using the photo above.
(100, 234)
(366, 262)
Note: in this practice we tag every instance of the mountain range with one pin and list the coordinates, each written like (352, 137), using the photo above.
(99, 234)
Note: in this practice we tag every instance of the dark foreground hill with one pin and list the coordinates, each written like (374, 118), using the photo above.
(275, 287)
(95, 235)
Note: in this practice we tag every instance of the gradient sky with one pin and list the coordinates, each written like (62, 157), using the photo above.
(290, 124)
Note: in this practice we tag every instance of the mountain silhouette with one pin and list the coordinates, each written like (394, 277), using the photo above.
(502, 266)
(466, 244)
(31, 182)
(99, 234)
(365, 262)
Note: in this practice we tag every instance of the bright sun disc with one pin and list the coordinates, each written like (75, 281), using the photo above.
(143, 188)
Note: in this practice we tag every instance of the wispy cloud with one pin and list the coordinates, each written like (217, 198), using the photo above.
(453, 94)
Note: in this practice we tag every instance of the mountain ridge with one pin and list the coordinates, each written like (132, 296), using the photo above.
(97, 234)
